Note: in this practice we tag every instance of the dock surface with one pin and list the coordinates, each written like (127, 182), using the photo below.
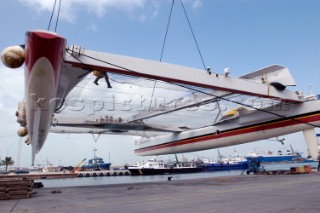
(252, 193)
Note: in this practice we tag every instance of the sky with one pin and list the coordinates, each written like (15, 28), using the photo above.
(243, 35)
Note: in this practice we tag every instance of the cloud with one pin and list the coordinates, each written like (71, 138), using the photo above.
(11, 87)
(11, 92)
(70, 8)
(92, 27)
(197, 3)
(141, 10)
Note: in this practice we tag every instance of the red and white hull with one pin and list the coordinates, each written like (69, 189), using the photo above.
(44, 56)
(304, 117)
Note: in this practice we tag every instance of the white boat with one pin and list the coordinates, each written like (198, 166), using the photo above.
(158, 167)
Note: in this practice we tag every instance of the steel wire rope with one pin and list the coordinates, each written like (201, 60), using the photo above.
(134, 105)
(129, 70)
(111, 64)
(200, 91)
(167, 29)
(163, 45)
(194, 37)
(103, 61)
(188, 116)
(52, 13)
(114, 65)
(162, 49)
(262, 110)
(55, 29)
(121, 92)
(141, 86)
(89, 69)
(118, 92)
(53, 9)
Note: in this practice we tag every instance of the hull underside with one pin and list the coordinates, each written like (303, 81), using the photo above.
(44, 56)
(209, 139)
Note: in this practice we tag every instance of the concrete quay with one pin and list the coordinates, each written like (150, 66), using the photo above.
(102, 173)
(40, 175)
(61, 175)
(246, 193)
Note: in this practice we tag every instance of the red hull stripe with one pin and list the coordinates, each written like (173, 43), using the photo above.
(239, 131)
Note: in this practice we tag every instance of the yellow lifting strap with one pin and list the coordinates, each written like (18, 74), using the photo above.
(235, 111)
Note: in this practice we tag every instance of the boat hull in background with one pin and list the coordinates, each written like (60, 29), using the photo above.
(163, 171)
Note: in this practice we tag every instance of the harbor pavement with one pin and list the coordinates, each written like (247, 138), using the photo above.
(246, 193)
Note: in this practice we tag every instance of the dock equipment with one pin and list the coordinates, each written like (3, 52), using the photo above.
(15, 188)
(306, 169)
(101, 173)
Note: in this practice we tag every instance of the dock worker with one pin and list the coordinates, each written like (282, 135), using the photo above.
(101, 74)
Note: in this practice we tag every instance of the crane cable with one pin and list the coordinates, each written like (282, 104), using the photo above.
(199, 91)
(249, 106)
(55, 29)
(57, 20)
(165, 37)
(162, 50)
(54, 6)
(194, 37)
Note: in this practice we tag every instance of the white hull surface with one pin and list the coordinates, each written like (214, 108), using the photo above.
(44, 56)
(303, 117)
(40, 94)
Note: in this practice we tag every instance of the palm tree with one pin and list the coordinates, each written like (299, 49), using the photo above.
(6, 162)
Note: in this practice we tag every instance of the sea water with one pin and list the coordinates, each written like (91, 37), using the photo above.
(105, 180)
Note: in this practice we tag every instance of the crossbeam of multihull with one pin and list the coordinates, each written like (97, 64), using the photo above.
(174, 74)
(197, 100)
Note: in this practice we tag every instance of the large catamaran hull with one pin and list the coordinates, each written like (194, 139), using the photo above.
(47, 83)
(256, 126)
(44, 55)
